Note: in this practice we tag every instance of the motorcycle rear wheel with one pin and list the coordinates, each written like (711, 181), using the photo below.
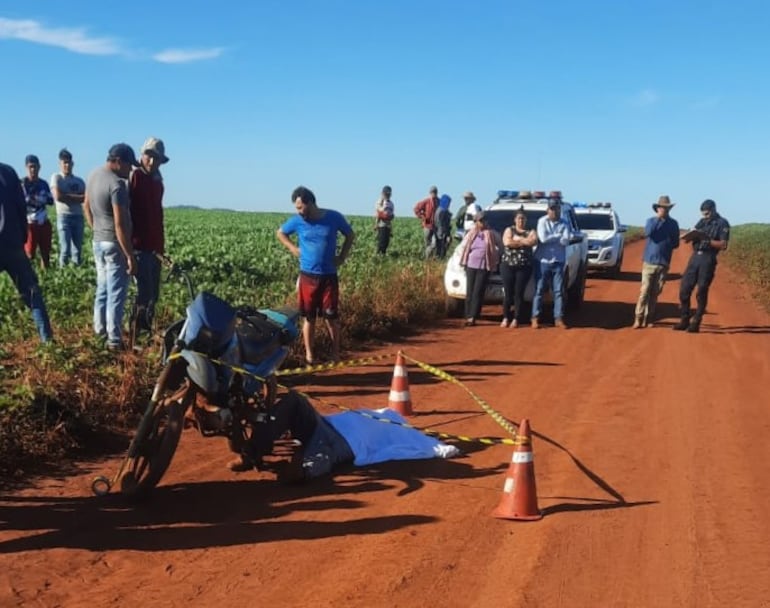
(157, 438)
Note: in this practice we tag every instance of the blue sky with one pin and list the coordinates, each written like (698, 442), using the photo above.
(605, 100)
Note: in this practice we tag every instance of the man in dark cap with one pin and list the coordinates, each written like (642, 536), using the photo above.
(108, 214)
(13, 259)
(710, 236)
(37, 196)
(553, 234)
(425, 210)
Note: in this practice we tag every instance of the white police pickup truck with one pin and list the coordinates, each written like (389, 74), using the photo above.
(606, 240)
(499, 215)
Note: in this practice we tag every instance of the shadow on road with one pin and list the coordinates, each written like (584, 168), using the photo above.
(367, 381)
(616, 500)
(618, 315)
(221, 513)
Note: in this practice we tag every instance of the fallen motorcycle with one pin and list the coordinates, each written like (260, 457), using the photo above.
(219, 375)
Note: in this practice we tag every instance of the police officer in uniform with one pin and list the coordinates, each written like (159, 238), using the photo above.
(712, 236)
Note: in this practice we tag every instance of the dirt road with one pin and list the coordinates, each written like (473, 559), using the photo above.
(651, 457)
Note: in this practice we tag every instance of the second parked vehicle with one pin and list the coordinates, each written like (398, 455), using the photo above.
(606, 239)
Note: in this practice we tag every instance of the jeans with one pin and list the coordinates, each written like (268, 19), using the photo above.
(17, 265)
(383, 239)
(429, 236)
(111, 289)
(70, 228)
(147, 287)
(548, 274)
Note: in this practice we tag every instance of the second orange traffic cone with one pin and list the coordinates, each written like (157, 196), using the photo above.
(399, 399)
(519, 499)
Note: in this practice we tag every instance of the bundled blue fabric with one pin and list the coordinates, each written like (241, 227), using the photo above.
(373, 441)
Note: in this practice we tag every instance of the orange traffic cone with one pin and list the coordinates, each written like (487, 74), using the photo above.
(519, 499)
(399, 399)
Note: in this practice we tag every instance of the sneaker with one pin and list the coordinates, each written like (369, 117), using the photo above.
(514, 324)
(637, 324)
(693, 327)
(560, 324)
(535, 324)
(504, 323)
(469, 322)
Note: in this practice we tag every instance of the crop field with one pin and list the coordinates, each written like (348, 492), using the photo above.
(749, 253)
(232, 254)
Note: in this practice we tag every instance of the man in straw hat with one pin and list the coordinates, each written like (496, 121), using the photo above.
(662, 234)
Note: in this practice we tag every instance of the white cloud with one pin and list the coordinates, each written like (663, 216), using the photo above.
(75, 40)
(646, 97)
(187, 55)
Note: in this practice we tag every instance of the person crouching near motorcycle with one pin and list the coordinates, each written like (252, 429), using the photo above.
(322, 446)
(354, 437)
(316, 248)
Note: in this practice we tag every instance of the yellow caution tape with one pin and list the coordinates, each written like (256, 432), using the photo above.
(435, 371)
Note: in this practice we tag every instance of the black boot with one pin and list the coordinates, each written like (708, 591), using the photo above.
(684, 323)
(694, 326)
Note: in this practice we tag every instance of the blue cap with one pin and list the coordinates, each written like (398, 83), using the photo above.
(31, 159)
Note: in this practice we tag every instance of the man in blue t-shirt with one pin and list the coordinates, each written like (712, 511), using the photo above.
(316, 248)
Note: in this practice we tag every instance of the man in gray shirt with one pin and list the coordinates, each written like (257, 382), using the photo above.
(107, 212)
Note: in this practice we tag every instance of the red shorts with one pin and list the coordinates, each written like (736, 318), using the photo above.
(319, 295)
(38, 235)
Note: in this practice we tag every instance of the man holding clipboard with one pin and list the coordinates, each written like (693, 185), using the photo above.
(710, 236)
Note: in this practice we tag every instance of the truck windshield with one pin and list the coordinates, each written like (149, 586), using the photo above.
(595, 221)
(500, 220)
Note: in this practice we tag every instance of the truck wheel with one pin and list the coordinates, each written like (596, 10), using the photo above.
(576, 294)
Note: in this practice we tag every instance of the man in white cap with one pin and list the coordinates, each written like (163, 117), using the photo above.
(662, 234)
(459, 219)
(146, 191)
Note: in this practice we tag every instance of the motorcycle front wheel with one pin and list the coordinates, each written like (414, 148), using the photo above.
(157, 437)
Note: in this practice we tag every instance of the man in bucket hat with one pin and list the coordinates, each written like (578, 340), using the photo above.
(145, 189)
(662, 234)
(710, 236)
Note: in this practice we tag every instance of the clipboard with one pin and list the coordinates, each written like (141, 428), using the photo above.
(694, 235)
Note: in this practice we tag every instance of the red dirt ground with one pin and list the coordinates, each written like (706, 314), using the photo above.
(651, 457)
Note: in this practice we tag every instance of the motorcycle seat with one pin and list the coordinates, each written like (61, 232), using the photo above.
(258, 338)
